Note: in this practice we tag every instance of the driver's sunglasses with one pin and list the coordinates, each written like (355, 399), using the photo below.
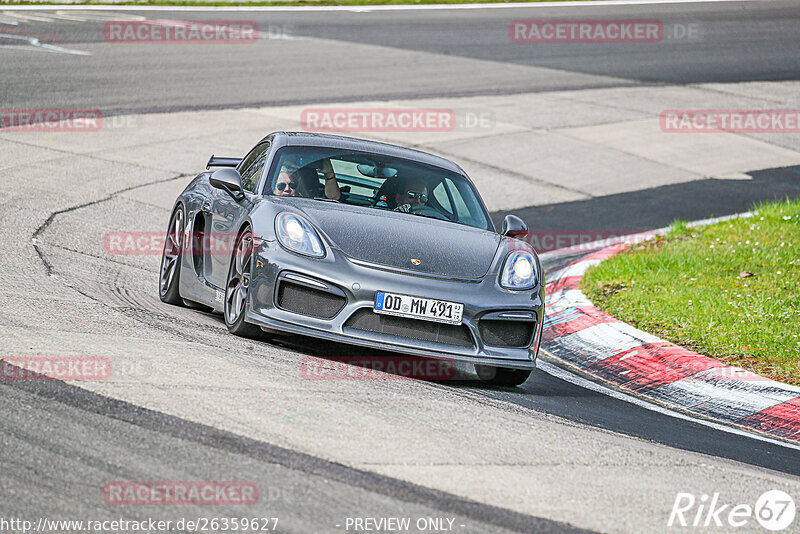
(281, 186)
(423, 198)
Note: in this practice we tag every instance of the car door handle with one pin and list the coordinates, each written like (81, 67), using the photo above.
(207, 205)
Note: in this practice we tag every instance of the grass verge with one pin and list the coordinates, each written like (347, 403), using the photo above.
(730, 291)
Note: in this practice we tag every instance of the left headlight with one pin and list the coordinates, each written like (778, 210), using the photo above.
(519, 271)
(297, 235)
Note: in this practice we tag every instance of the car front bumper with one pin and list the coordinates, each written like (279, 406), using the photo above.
(356, 284)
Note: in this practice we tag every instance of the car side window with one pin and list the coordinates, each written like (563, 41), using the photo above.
(253, 165)
(464, 203)
(440, 194)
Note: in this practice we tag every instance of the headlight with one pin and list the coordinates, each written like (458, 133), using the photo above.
(297, 235)
(519, 271)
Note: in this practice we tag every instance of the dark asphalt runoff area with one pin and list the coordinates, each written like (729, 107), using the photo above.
(60, 444)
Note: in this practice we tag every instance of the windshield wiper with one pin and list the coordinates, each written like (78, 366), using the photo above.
(326, 199)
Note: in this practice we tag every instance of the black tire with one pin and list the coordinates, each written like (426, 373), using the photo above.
(170, 272)
(237, 288)
(502, 376)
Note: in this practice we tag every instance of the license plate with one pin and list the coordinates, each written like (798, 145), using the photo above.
(440, 311)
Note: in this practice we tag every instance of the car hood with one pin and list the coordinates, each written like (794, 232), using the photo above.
(397, 239)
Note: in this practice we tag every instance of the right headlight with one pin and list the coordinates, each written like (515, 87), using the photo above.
(519, 271)
(297, 235)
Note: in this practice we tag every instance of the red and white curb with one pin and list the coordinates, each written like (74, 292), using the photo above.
(584, 337)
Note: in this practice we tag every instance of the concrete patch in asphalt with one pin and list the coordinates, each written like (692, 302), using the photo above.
(697, 154)
(563, 161)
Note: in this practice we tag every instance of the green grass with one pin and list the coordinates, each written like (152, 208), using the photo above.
(694, 288)
(270, 2)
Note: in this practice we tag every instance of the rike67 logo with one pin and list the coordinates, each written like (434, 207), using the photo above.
(774, 510)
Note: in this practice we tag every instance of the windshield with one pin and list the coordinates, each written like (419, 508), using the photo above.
(376, 181)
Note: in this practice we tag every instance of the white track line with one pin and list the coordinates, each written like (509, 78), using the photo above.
(567, 376)
(34, 44)
(364, 8)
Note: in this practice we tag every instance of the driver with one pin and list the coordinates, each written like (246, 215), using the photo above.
(294, 180)
(413, 194)
(287, 181)
(285, 186)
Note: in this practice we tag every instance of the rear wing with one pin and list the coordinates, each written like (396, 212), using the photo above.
(214, 161)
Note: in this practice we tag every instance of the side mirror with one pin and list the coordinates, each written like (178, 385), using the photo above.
(513, 226)
(229, 180)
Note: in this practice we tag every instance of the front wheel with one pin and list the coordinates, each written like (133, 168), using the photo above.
(238, 288)
(170, 272)
(502, 376)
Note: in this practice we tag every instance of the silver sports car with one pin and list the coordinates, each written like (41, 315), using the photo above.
(357, 242)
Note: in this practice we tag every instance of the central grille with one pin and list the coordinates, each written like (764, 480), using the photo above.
(367, 320)
(511, 334)
(306, 301)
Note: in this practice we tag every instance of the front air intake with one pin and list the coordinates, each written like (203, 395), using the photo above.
(504, 333)
(304, 300)
(410, 329)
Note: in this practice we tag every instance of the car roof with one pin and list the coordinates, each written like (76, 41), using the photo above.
(362, 145)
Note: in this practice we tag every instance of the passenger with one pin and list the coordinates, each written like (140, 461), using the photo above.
(332, 190)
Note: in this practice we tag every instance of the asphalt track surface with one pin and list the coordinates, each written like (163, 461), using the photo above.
(60, 443)
(371, 55)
